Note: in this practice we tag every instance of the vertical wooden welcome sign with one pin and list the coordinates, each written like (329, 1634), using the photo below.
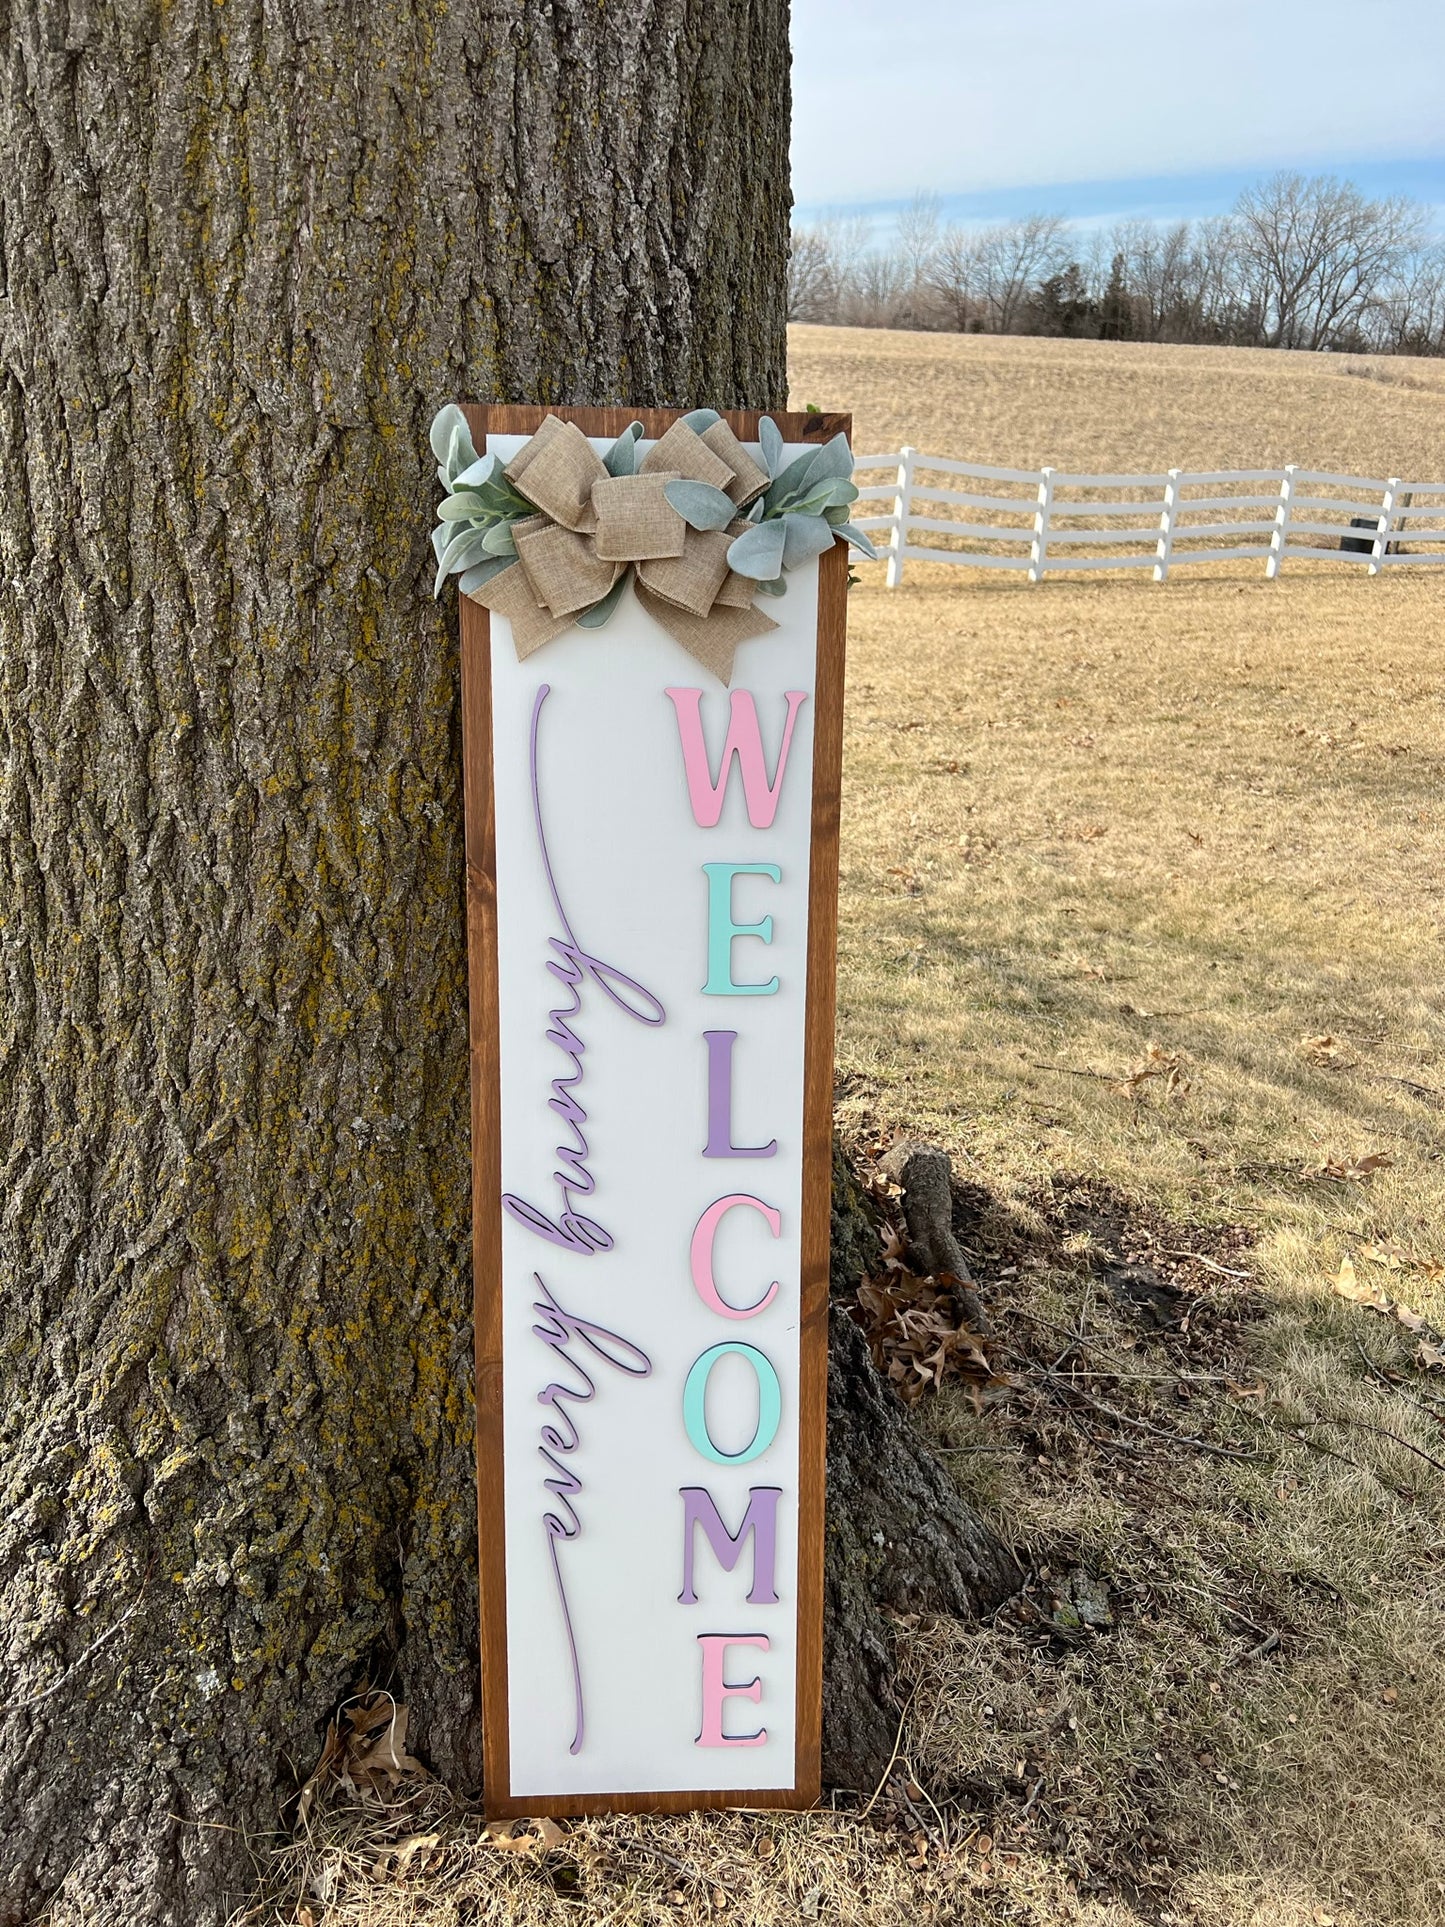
(652, 878)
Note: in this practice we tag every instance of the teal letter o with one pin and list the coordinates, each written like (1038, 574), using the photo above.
(694, 1404)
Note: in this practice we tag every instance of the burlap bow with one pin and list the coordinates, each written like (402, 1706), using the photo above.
(592, 526)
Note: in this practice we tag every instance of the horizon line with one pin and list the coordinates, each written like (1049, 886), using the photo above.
(1193, 194)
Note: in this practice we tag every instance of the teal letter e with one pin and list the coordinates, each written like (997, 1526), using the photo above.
(721, 929)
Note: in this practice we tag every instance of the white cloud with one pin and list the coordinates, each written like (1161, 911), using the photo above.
(959, 96)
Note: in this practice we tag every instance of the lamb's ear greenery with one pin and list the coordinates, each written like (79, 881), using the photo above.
(758, 551)
(856, 539)
(621, 458)
(481, 572)
(602, 612)
(700, 505)
(451, 443)
(473, 538)
(804, 536)
(802, 512)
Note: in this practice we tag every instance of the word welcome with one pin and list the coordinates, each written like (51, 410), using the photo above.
(575, 1220)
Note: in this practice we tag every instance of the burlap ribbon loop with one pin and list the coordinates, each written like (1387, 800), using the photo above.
(591, 526)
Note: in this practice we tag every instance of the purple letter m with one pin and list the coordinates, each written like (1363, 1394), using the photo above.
(761, 1519)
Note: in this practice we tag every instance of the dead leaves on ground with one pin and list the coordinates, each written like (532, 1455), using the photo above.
(1371, 1296)
(525, 1836)
(1354, 1170)
(1156, 1068)
(913, 1325)
(1156, 1064)
(365, 1756)
(1327, 1051)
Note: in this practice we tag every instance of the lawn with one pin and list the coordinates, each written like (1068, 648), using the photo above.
(1141, 913)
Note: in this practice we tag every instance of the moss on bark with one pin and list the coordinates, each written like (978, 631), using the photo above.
(246, 251)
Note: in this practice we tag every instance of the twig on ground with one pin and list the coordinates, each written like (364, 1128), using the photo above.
(1155, 1431)
(1381, 1431)
(1327, 1451)
(1425, 1091)
(1168, 1251)
(1067, 1070)
(1433, 1409)
(892, 1758)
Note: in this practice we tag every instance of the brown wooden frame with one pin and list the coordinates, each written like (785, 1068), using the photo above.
(495, 419)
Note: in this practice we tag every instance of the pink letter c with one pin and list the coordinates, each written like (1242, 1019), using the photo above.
(702, 1242)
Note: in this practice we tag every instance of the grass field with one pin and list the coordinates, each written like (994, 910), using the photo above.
(1141, 917)
(1018, 402)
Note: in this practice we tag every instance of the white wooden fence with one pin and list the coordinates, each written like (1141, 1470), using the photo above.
(1046, 521)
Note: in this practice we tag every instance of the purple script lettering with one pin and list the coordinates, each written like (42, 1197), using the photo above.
(761, 1519)
(558, 1329)
(573, 966)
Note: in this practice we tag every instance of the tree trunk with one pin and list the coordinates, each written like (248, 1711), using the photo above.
(246, 251)
(900, 1539)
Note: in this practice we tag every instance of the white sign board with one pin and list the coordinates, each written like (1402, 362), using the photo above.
(652, 1027)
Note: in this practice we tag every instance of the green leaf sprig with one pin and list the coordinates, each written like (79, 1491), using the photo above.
(802, 512)
(473, 538)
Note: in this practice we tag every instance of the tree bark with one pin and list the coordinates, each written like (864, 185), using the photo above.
(900, 1538)
(247, 250)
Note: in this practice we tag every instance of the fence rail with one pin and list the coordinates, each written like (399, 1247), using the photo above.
(1050, 515)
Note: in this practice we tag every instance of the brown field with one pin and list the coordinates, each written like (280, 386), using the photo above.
(1141, 917)
(1018, 402)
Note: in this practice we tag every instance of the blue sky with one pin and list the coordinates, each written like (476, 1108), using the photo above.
(1099, 109)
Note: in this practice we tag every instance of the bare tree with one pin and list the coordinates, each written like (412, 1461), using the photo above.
(1314, 251)
(1013, 257)
(879, 290)
(917, 241)
(1300, 263)
(824, 267)
(1408, 316)
(956, 277)
(812, 276)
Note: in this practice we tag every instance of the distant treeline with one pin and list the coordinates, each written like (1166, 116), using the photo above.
(1300, 262)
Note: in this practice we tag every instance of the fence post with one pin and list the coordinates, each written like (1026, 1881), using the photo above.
(1038, 548)
(1382, 531)
(1166, 527)
(902, 509)
(1280, 534)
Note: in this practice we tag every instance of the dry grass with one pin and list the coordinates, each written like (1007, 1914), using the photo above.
(1080, 821)
(1121, 406)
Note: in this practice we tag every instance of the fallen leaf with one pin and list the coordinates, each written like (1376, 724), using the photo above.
(398, 1860)
(1349, 1286)
(1326, 1050)
(502, 1834)
(549, 1833)
(1430, 1358)
(1354, 1170)
(1390, 1256)
(1155, 1063)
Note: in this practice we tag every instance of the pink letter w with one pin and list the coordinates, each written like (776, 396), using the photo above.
(743, 741)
